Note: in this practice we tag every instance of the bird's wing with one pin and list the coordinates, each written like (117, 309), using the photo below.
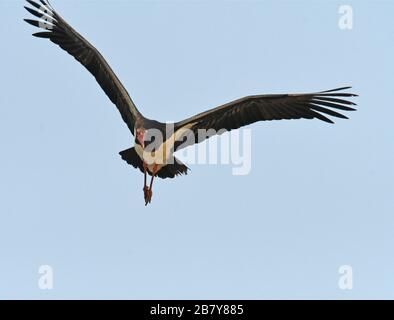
(62, 34)
(251, 109)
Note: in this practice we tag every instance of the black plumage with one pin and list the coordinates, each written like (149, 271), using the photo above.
(62, 34)
(230, 116)
(251, 109)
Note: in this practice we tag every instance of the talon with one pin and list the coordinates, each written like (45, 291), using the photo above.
(146, 195)
(148, 190)
(149, 196)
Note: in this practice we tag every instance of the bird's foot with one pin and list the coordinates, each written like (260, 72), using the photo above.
(150, 196)
(147, 195)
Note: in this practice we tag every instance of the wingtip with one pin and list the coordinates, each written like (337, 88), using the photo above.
(337, 89)
(42, 35)
(33, 23)
(344, 88)
(39, 6)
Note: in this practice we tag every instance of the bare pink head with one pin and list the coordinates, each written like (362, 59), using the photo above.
(139, 137)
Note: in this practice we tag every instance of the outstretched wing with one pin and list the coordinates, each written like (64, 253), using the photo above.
(251, 109)
(62, 34)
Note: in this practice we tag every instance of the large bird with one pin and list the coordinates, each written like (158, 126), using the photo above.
(154, 155)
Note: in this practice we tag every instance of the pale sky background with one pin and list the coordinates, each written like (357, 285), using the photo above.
(319, 196)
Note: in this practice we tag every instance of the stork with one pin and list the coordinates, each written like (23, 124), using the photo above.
(155, 158)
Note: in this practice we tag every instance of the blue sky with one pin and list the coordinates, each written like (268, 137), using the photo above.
(319, 196)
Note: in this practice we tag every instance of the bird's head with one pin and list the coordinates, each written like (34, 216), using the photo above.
(140, 137)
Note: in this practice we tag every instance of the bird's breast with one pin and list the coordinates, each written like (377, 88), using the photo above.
(159, 152)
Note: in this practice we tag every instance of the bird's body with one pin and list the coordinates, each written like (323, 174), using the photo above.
(163, 151)
(156, 142)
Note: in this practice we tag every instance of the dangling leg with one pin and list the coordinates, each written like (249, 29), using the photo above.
(151, 185)
(146, 190)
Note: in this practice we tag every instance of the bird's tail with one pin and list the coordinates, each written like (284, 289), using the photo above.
(168, 171)
(132, 158)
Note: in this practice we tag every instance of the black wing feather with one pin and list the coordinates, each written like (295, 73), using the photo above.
(62, 34)
(251, 109)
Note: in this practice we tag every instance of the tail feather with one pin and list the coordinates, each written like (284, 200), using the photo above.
(132, 158)
(173, 170)
(168, 171)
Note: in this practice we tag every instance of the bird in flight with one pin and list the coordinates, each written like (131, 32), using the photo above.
(153, 154)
